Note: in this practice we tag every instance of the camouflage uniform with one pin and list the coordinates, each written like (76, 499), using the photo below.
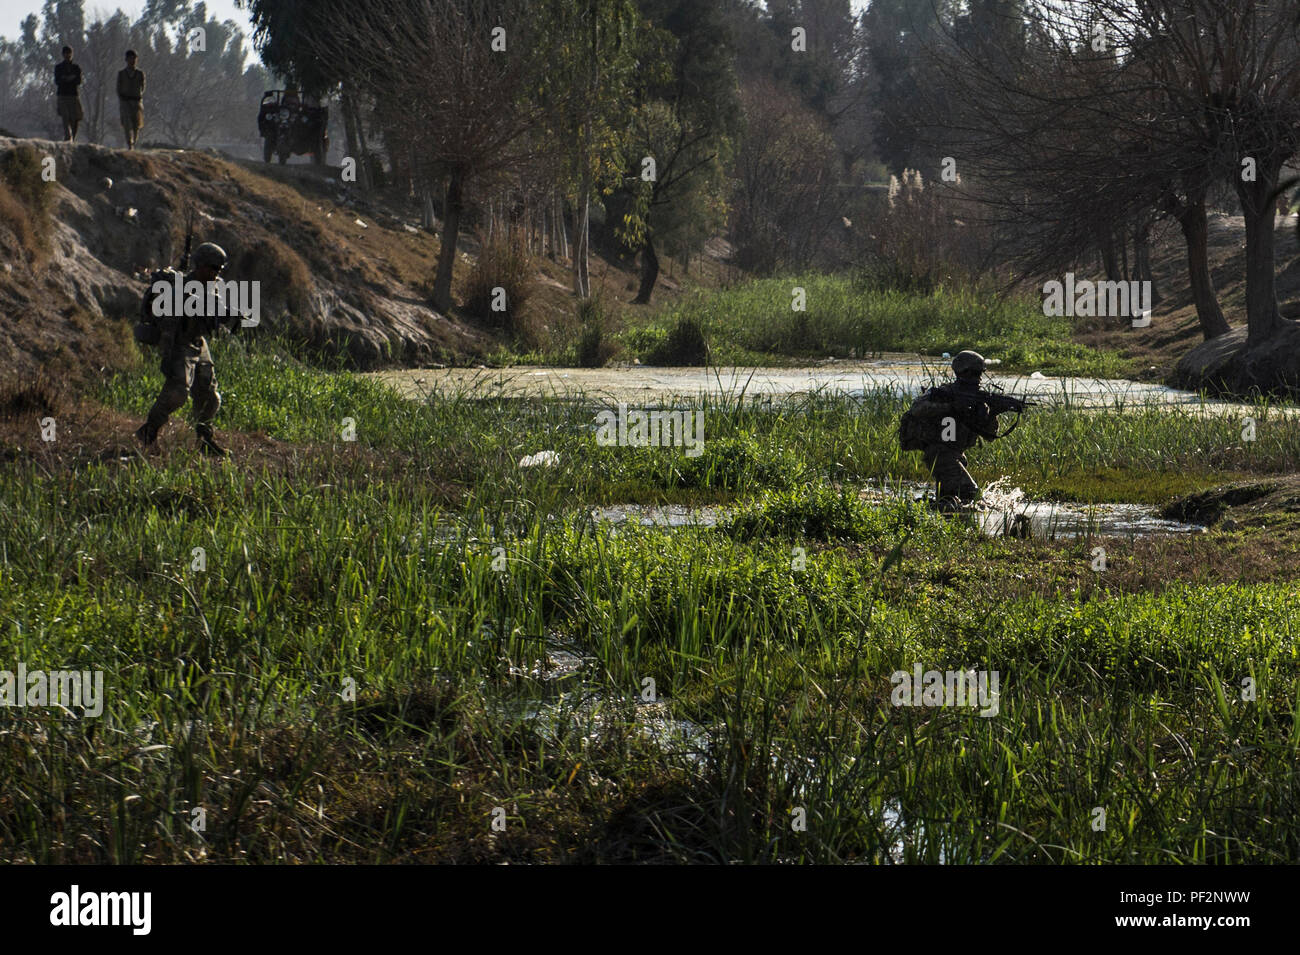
(187, 369)
(953, 483)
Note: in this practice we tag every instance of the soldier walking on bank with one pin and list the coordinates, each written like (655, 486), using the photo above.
(67, 87)
(130, 96)
(187, 363)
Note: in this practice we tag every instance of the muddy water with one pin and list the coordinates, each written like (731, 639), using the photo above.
(898, 374)
(566, 692)
(1001, 513)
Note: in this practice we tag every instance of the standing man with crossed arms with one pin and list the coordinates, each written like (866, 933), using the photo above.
(130, 96)
(67, 88)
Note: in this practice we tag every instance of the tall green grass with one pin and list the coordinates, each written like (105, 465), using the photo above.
(227, 688)
(756, 323)
(1125, 452)
(348, 678)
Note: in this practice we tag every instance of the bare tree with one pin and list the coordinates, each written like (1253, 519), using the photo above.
(461, 70)
(1113, 111)
(785, 203)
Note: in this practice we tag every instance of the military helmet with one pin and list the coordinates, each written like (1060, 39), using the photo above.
(209, 253)
(967, 362)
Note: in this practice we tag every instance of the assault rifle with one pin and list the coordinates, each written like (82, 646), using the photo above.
(1000, 403)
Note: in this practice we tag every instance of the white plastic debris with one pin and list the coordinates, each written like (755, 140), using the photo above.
(1038, 374)
(360, 223)
(544, 459)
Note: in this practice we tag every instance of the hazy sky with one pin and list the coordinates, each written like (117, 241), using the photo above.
(13, 12)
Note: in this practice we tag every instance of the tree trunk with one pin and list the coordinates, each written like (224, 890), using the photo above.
(427, 219)
(1263, 319)
(649, 272)
(561, 228)
(1142, 257)
(1196, 231)
(1108, 258)
(97, 130)
(450, 231)
(352, 131)
(581, 280)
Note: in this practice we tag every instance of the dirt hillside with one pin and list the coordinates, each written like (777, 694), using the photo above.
(329, 272)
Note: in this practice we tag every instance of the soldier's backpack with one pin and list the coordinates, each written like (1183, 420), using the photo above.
(149, 327)
(922, 424)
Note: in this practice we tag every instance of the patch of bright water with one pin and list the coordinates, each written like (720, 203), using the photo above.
(1004, 510)
(900, 375)
(653, 515)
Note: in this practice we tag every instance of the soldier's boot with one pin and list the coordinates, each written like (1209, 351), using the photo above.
(948, 505)
(206, 443)
(147, 434)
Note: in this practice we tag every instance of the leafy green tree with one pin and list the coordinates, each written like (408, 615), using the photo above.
(585, 92)
(685, 203)
(289, 36)
(681, 135)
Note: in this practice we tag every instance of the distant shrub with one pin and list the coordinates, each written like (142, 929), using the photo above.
(925, 237)
(732, 464)
(503, 263)
(683, 345)
(20, 174)
(13, 214)
(887, 275)
(594, 346)
(42, 394)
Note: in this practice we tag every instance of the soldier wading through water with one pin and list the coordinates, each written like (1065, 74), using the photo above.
(186, 361)
(947, 420)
